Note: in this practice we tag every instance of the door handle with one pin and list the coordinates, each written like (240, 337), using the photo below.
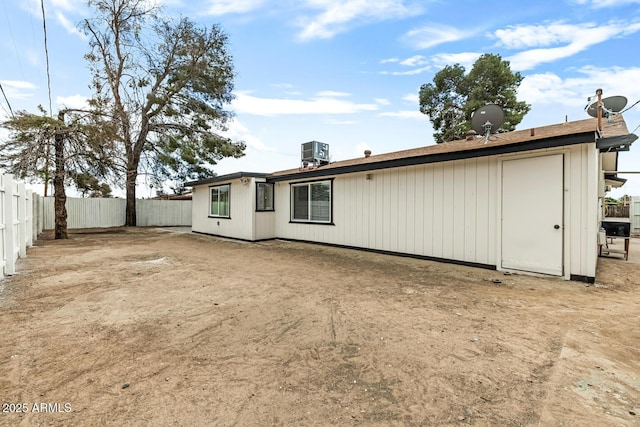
(556, 226)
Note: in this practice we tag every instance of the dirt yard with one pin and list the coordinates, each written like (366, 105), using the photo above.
(153, 327)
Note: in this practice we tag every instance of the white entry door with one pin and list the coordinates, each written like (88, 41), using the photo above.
(532, 214)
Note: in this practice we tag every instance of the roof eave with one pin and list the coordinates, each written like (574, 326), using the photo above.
(482, 151)
(227, 177)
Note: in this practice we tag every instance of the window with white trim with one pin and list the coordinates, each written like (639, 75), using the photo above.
(311, 202)
(219, 198)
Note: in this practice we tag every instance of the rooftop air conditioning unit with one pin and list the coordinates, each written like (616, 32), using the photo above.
(315, 152)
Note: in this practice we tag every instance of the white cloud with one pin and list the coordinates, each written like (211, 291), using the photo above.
(412, 98)
(405, 114)
(466, 59)
(414, 61)
(408, 72)
(433, 35)
(18, 89)
(332, 94)
(73, 101)
(239, 132)
(338, 16)
(224, 7)
(70, 5)
(17, 84)
(340, 122)
(389, 60)
(248, 104)
(573, 38)
(69, 26)
(599, 4)
(550, 89)
(382, 101)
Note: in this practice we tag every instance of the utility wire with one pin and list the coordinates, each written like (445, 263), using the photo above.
(46, 53)
(6, 100)
(630, 107)
(13, 39)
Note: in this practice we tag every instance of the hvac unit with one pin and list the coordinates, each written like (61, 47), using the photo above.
(315, 152)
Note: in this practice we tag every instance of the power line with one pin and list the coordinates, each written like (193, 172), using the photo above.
(46, 54)
(6, 100)
(630, 107)
(13, 39)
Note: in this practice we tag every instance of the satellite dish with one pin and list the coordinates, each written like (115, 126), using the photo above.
(487, 120)
(610, 106)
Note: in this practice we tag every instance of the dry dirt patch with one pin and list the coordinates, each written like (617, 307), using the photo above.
(148, 327)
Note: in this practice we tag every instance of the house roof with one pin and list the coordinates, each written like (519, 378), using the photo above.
(567, 133)
(227, 177)
(557, 135)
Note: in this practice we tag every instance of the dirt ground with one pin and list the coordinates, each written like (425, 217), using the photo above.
(152, 327)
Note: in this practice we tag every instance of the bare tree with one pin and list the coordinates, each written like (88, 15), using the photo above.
(166, 84)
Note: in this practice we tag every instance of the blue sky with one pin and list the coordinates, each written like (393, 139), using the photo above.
(348, 73)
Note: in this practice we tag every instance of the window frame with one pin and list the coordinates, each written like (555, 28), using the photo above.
(218, 187)
(273, 205)
(310, 219)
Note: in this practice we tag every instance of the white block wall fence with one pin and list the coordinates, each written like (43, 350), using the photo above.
(634, 215)
(18, 224)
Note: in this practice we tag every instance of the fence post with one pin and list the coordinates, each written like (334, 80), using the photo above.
(9, 228)
(22, 219)
(29, 214)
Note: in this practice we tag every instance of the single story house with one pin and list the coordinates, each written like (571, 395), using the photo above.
(524, 201)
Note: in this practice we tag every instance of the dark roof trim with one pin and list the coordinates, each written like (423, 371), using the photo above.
(615, 178)
(615, 143)
(228, 177)
(484, 151)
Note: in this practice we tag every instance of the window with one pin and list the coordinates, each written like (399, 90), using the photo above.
(264, 196)
(220, 200)
(311, 202)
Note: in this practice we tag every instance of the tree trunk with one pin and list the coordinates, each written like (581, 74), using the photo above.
(60, 196)
(130, 186)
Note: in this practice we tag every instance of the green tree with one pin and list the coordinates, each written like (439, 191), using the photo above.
(90, 186)
(73, 146)
(453, 96)
(166, 84)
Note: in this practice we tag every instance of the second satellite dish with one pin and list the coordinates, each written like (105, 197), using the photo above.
(610, 105)
(487, 120)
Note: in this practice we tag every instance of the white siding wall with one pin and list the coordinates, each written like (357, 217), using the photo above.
(439, 210)
(240, 225)
(448, 210)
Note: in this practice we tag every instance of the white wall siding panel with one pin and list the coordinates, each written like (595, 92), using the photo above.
(458, 212)
(428, 207)
(239, 225)
(431, 210)
(438, 210)
(410, 224)
(481, 213)
(449, 210)
(448, 221)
